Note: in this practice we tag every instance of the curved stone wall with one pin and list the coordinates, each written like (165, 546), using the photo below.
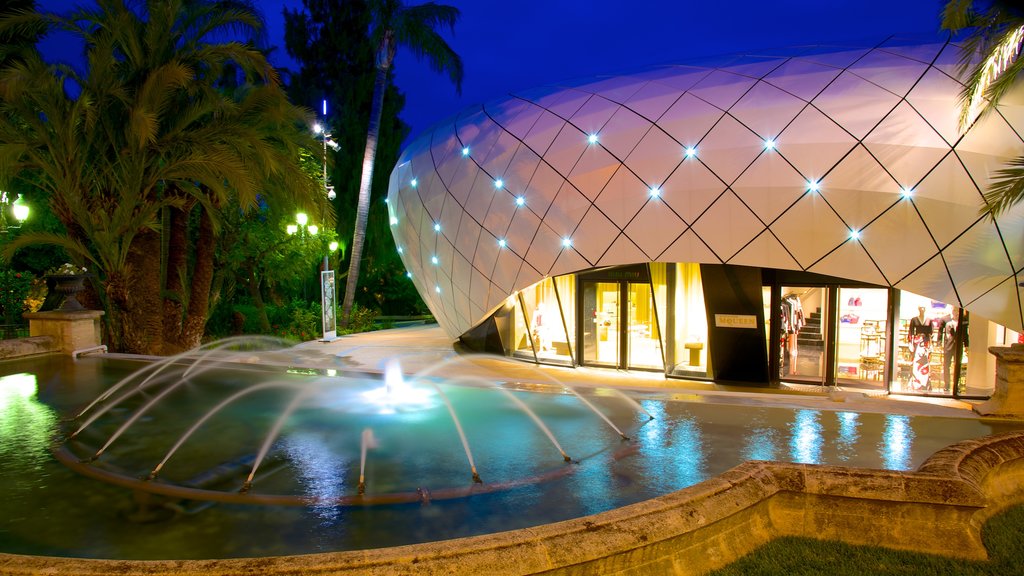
(842, 161)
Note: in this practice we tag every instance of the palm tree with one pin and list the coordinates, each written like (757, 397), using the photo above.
(990, 61)
(151, 141)
(415, 27)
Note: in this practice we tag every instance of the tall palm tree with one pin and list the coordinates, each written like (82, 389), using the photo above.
(416, 28)
(991, 63)
(151, 132)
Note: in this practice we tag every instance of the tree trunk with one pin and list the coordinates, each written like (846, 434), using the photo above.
(202, 278)
(363, 206)
(177, 272)
(257, 300)
(143, 319)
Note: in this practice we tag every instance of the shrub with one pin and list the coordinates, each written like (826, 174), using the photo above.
(14, 290)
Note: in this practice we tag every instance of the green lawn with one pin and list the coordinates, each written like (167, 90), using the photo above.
(1003, 536)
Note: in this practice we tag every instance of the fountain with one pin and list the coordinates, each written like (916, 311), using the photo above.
(148, 393)
(243, 448)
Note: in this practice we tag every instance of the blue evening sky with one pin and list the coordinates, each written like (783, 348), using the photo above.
(514, 45)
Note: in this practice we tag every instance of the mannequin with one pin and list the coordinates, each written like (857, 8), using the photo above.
(919, 339)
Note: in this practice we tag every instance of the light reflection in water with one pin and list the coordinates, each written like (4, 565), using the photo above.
(897, 441)
(849, 433)
(806, 440)
(26, 425)
(320, 469)
(689, 452)
(655, 429)
(762, 441)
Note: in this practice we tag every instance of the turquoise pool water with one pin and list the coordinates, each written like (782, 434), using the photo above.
(48, 509)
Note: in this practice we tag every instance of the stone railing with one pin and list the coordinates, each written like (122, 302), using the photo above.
(937, 509)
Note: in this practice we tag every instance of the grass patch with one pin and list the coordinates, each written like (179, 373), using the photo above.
(1003, 536)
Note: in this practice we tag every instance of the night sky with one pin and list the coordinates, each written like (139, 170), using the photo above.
(514, 45)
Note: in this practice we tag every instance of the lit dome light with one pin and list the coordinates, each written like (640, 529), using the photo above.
(769, 144)
(301, 218)
(566, 242)
(333, 246)
(465, 151)
(318, 128)
(499, 183)
(394, 220)
(291, 229)
(408, 274)
(501, 242)
(655, 192)
(414, 182)
(313, 229)
(813, 186)
(437, 289)
(691, 151)
(906, 191)
(400, 250)
(520, 201)
(437, 226)
(592, 139)
(854, 234)
(433, 260)
(385, 200)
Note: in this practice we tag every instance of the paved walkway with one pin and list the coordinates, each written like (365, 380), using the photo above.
(427, 349)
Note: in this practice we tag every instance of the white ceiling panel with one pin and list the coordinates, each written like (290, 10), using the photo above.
(622, 197)
(727, 226)
(766, 109)
(689, 248)
(814, 143)
(850, 260)
(767, 252)
(622, 251)
(652, 228)
(769, 186)
(906, 145)
(810, 229)
(855, 104)
(593, 170)
(691, 189)
(802, 78)
(898, 241)
(594, 235)
(689, 119)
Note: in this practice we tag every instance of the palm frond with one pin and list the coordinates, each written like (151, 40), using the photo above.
(1006, 190)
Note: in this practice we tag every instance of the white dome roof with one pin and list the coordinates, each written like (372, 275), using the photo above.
(851, 130)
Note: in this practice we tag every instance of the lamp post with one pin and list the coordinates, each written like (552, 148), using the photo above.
(328, 289)
(18, 209)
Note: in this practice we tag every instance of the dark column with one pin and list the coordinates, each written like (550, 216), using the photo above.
(736, 337)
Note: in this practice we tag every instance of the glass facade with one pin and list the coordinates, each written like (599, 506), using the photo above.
(827, 332)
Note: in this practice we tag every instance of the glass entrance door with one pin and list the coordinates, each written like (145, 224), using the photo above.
(644, 345)
(600, 330)
(620, 327)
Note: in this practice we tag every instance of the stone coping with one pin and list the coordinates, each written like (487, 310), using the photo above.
(937, 509)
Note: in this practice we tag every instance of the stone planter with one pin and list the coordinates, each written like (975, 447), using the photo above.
(69, 285)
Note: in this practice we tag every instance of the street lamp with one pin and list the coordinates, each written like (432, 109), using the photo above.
(17, 208)
(302, 225)
(322, 131)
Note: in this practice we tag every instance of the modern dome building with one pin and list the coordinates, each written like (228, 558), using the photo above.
(811, 215)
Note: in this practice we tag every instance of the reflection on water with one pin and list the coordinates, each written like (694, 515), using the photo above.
(762, 442)
(848, 435)
(26, 425)
(806, 440)
(897, 442)
(320, 469)
(48, 507)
